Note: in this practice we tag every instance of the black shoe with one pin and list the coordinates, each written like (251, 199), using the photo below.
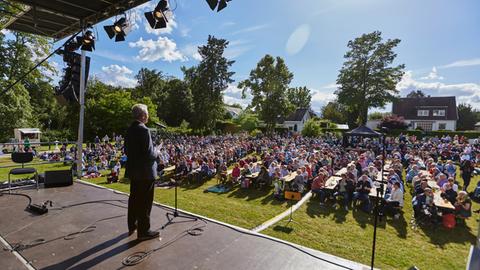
(148, 235)
(130, 232)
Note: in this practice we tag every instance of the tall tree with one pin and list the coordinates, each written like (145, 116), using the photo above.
(416, 94)
(207, 82)
(18, 53)
(367, 78)
(467, 117)
(300, 97)
(151, 84)
(178, 104)
(268, 83)
(335, 112)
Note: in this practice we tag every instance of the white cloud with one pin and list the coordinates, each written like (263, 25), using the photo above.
(250, 29)
(321, 98)
(117, 76)
(161, 49)
(233, 94)
(463, 63)
(298, 39)
(408, 83)
(433, 75)
(191, 51)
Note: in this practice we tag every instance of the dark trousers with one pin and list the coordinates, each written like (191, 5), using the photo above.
(466, 180)
(140, 205)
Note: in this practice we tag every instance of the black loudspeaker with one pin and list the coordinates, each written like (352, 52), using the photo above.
(58, 178)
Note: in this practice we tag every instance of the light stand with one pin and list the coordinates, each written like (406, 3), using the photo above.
(376, 211)
(172, 215)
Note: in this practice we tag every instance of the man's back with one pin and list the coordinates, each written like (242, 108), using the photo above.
(141, 158)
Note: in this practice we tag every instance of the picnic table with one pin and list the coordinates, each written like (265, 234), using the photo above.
(289, 177)
(373, 190)
(341, 171)
(441, 202)
(252, 175)
(332, 182)
(169, 169)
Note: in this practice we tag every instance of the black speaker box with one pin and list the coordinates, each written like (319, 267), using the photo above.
(58, 178)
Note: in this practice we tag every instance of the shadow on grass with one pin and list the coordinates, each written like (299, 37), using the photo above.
(461, 234)
(400, 225)
(283, 229)
(250, 193)
(314, 209)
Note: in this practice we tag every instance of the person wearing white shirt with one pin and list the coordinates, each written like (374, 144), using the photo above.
(394, 201)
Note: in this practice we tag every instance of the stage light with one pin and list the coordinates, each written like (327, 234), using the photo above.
(87, 41)
(118, 30)
(221, 4)
(157, 18)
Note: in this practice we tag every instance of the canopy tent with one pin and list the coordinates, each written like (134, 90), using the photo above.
(363, 131)
(61, 18)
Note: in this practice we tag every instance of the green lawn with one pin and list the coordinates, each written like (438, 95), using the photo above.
(6, 161)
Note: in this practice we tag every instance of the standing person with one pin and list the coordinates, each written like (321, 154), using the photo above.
(467, 169)
(141, 169)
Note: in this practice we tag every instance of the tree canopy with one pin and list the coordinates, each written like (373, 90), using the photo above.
(368, 77)
(300, 97)
(268, 83)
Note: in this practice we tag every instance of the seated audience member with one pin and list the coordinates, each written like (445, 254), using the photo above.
(394, 200)
(412, 173)
(318, 187)
(463, 205)
(423, 204)
(299, 182)
(449, 193)
(263, 179)
(362, 190)
(344, 189)
(236, 173)
(450, 169)
(442, 179)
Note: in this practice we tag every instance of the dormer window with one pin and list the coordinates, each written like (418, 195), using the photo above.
(422, 113)
(438, 112)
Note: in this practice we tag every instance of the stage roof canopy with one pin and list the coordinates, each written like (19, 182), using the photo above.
(61, 18)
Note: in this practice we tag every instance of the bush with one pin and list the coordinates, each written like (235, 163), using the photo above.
(255, 132)
(393, 122)
(57, 135)
(311, 128)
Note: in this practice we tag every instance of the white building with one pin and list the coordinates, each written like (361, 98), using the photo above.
(428, 113)
(296, 120)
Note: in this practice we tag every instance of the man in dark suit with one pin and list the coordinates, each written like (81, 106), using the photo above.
(141, 169)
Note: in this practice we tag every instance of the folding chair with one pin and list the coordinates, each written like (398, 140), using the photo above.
(22, 158)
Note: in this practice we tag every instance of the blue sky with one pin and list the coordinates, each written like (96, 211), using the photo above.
(440, 42)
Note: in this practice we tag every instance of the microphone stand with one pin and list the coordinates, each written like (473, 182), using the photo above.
(376, 211)
(172, 215)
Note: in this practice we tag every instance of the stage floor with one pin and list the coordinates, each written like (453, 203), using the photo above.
(106, 245)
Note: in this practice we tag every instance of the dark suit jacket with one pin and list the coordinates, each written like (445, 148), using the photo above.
(141, 158)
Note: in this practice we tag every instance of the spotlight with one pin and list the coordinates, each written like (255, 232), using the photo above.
(221, 4)
(118, 30)
(87, 41)
(157, 18)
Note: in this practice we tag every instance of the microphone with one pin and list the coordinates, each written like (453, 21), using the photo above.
(160, 125)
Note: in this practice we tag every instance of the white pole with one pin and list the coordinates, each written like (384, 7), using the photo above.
(82, 112)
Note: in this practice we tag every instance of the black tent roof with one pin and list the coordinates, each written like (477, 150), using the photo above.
(61, 18)
(364, 132)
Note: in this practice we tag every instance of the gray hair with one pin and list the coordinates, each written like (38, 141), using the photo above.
(139, 110)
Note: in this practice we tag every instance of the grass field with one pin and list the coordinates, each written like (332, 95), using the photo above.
(347, 234)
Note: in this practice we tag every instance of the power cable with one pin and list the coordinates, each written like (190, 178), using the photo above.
(138, 257)
(90, 228)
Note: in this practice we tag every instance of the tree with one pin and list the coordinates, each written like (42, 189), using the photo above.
(467, 117)
(377, 115)
(335, 112)
(268, 84)
(311, 128)
(178, 103)
(416, 94)
(18, 54)
(247, 121)
(108, 110)
(367, 78)
(300, 97)
(393, 122)
(152, 84)
(207, 82)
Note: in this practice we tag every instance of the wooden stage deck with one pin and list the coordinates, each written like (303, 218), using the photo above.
(220, 246)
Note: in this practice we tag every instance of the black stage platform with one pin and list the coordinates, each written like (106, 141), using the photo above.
(218, 247)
